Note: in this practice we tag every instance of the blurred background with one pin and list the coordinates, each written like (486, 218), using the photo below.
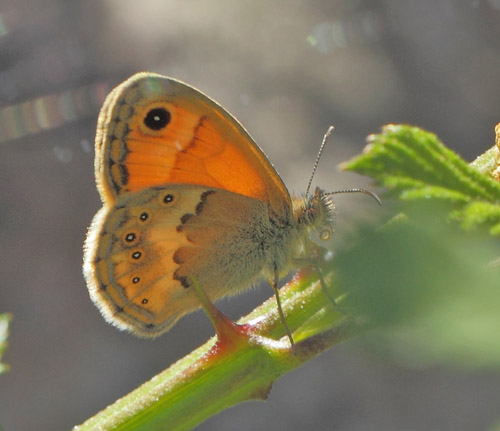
(287, 69)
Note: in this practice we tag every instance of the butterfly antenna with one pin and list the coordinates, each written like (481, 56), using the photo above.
(325, 138)
(366, 192)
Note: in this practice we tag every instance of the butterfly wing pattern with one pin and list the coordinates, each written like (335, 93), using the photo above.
(154, 130)
(187, 194)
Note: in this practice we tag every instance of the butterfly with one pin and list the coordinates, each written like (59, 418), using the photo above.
(188, 196)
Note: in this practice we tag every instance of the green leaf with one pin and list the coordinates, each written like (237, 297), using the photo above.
(487, 162)
(4, 333)
(479, 213)
(430, 290)
(415, 165)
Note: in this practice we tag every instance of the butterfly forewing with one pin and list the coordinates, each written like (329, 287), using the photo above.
(155, 130)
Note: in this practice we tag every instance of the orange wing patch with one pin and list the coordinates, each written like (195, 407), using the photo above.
(154, 131)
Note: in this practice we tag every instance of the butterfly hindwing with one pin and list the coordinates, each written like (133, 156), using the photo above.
(143, 252)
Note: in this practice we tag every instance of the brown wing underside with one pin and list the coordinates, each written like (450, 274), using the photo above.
(142, 253)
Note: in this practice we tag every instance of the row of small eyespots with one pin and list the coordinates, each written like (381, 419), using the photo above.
(132, 236)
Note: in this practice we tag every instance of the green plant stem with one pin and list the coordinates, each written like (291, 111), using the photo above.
(214, 377)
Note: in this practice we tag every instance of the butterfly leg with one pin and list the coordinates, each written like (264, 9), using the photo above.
(313, 260)
(323, 283)
(274, 284)
(228, 332)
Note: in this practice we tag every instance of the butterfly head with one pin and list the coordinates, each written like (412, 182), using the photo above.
(316, 212)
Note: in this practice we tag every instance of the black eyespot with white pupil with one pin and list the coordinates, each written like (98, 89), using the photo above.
(157, 119)
(168, 198)
(130, 237)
